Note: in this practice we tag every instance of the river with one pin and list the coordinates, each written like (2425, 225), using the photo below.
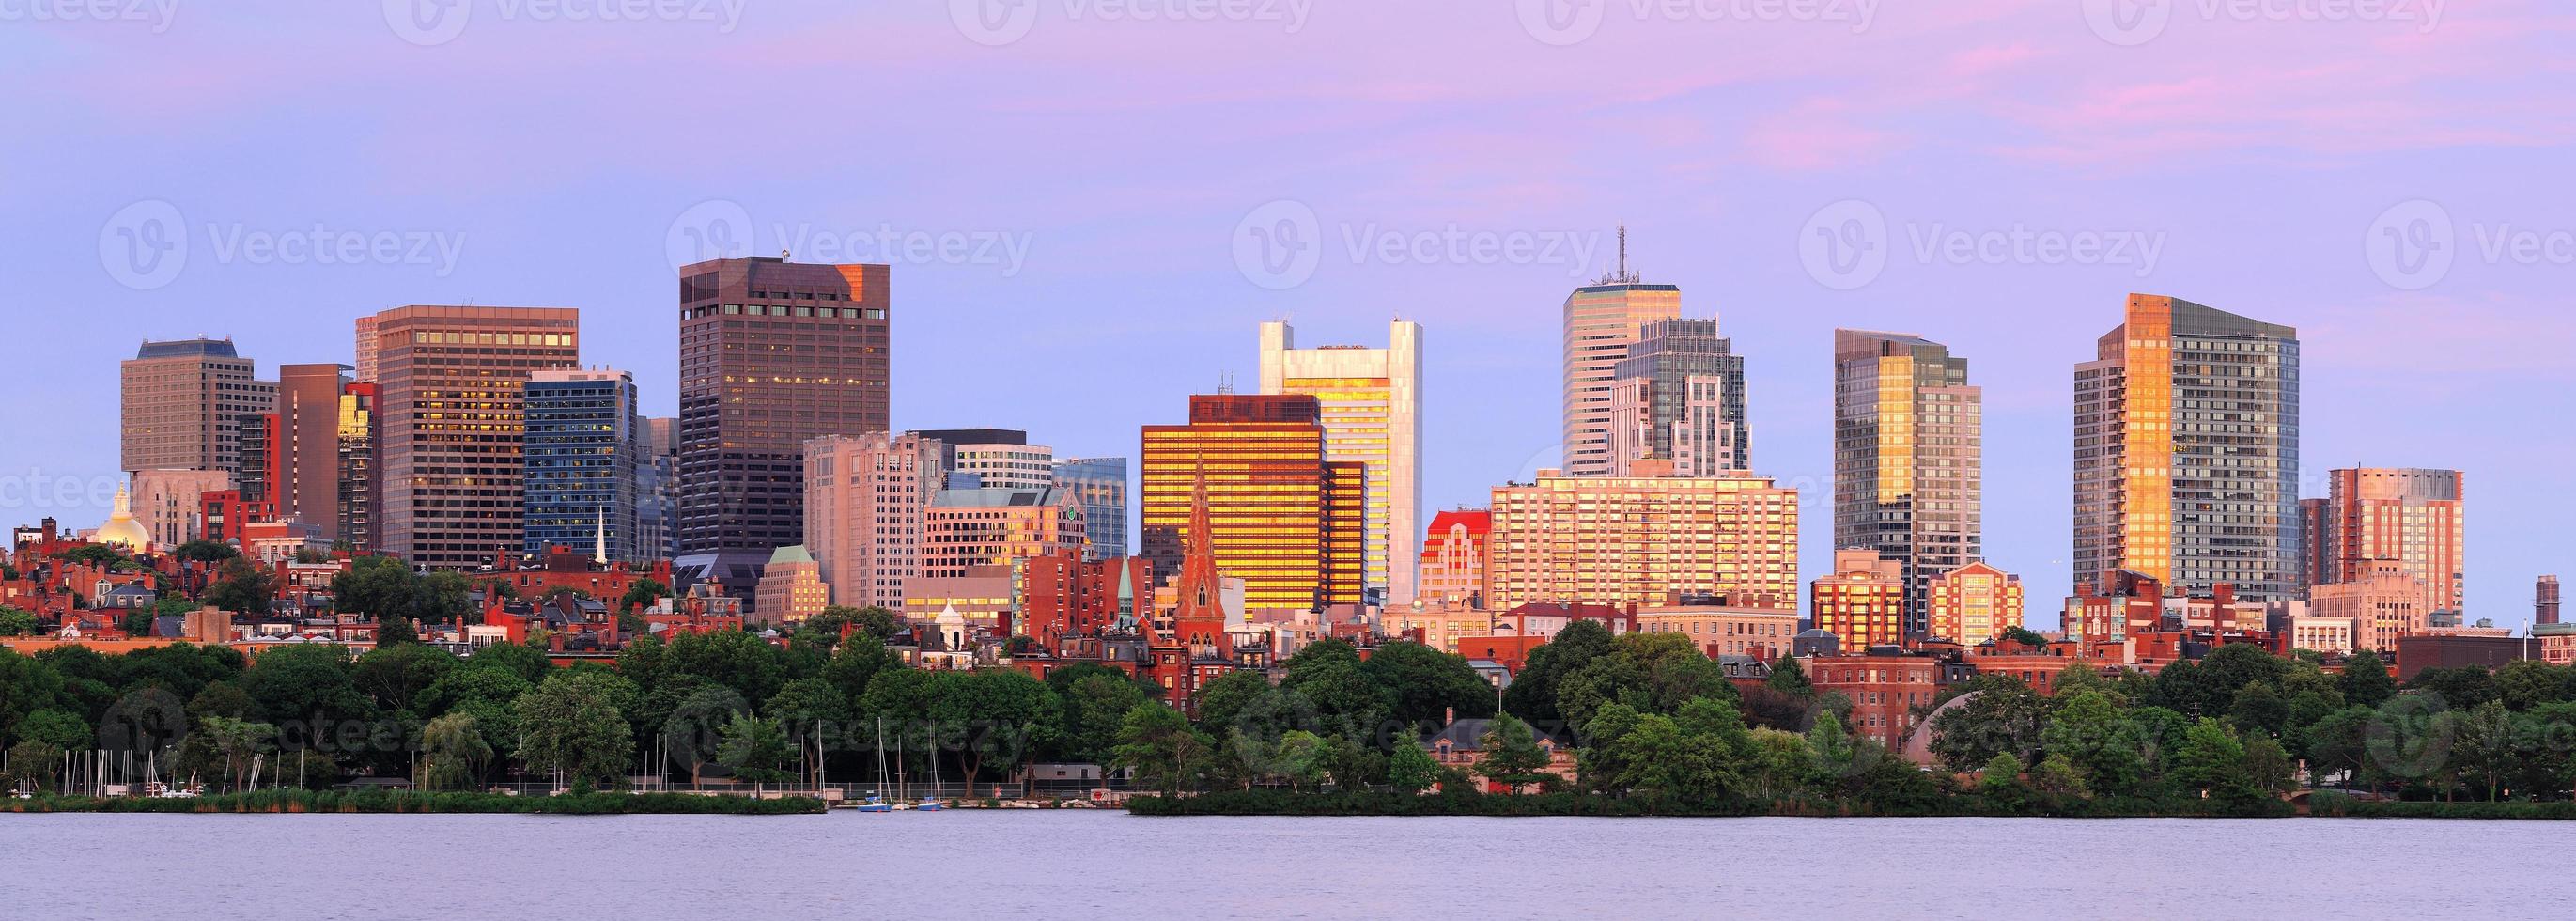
(1094, 865)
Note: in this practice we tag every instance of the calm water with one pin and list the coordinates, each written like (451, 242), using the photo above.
(1082, 865)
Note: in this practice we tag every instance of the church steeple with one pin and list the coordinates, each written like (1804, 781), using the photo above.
(1199, 620)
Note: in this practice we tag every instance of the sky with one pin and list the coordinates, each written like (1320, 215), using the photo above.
(1090, 204)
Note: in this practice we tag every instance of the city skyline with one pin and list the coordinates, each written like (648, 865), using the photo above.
(1100, 276)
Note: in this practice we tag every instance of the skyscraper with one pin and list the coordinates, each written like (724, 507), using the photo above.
(360, 486)
(2544, 600)
(452, 425)
(1908, 459)
(1284, 518)
(865, 496)
(2187, 452)
(305, 475)
(1372, 415)
(772, 355)
(1686, 401)
(1602, 320)
(2414, 516)
(1101, 482)
(583, 460)
(182, 405)
(657, 479)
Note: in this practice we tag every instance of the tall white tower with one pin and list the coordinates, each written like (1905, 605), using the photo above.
(1372, 403)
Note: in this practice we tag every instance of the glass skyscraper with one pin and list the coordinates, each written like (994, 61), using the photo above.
(1372, 415)
(583, 452)
(1691, 411)
(1908, 459)
(1101, 482)
(2187, 452)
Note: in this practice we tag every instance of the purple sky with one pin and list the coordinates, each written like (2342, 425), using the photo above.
(1077, 196)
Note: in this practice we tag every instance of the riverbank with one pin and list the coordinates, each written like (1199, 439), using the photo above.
(396, 803)
(1568, 805)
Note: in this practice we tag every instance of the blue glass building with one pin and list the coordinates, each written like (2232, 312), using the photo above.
(583, 454)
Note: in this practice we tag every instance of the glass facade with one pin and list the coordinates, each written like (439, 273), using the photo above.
(454, 383)
(1101, 483)
(1692, 411)
(582, 459)
(1283, 519)
(2187, 452)
(1601, 322)
(1908, 459)
(1371, 401)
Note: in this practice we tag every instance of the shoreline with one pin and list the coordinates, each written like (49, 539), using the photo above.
(299, 802)
(1237, 804)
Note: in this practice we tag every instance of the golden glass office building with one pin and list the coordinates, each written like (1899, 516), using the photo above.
(1283, 518)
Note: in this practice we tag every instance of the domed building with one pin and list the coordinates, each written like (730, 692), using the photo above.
(121, 530)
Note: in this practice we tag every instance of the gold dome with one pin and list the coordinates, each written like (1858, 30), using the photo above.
(121, 530)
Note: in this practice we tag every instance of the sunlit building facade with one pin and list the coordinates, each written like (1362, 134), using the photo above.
(1908, 459)
(1453, 558)
(1601, 321)
(1974, 603)
(1679, 397)
(2415, 516)
(865, 496)
(454, 382)
(1372, 414)
(1283, 517)
(965, 529)
(1862, 602)
(2187, 452)
(1641, 540)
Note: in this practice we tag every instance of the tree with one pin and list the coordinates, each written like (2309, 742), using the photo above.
(2269, 767)
(1788, 677)
(754, 748)
(242, 587)
(1533, 694)
(856, 662)
(642, 593)
(1346, 703)
(2212, 765)
(205, 551)
(731, 658)
(17, 622)
(1003, 718)
(2483, 749)
(1512, 757)
(308, 688)
(1650, 672)
(136, 623)
(2465, 688)
(2260, 709)
(453, 752)
(96, 555)
(59, 728)
(2099, 741)
(237, 743)
(571, 727)
(2004, 716)
(31, 766)
(1298, 759)
(1411, 769)
(1159, 745)
(2058, 779)
(527, 662)
(1095, 707)
(393, 676)
(2528, 684)
(1424, 685)
(2000, 780)
(2365, 681)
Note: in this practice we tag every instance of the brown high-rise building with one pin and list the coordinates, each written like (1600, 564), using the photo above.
(304, 476)
(772, 354)
(183, 404)
(2544, 600)
(452, 426)
(1290, 524)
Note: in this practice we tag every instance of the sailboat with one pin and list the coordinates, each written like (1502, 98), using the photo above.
(933, 804)
(876, 801)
